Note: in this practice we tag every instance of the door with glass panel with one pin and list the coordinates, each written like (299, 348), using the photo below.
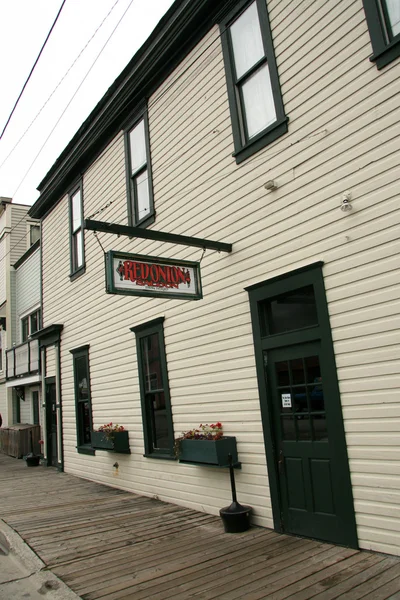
(300, 404)
(309, 483)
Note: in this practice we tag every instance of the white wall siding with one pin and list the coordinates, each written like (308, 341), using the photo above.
(51, 370)
(343, 135)
(19, 231)
(27, 288)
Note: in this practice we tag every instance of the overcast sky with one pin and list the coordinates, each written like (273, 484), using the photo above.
(24, 25)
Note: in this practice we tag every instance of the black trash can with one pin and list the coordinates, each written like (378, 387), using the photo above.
(236, 518)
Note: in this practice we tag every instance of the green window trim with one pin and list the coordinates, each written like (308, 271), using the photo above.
(245, 145)
(156, 403)
(76, 231)
(385, 46)
(139, 175)
(80, 357)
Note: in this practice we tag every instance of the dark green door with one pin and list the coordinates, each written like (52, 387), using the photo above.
(301, 411)
(51, 424)
(309, 476)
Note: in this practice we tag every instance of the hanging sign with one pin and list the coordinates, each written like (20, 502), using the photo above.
(139, 275)
(286, 401)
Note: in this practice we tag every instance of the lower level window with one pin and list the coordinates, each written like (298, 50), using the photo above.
(84, 424)
(154, 389)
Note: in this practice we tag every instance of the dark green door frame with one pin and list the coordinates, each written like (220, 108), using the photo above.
(259, 293)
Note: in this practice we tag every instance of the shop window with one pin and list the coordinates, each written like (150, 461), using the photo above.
(383, 20)
(77, 249)
(83, 406)
(139, 180)
(30, 324)
(254, 94)
(154, 390)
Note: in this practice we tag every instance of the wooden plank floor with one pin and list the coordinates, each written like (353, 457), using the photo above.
(108, 544)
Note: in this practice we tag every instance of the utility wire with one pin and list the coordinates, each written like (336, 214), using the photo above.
(69, 103)
(33, 68)
(58, 85)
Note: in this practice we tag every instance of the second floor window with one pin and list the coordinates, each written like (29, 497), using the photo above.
(34, 234)
(76, 230)
(254, 94)
(140, 189)
(383, 20)
(30, 324)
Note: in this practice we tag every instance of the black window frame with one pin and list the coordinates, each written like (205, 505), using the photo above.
(385, 47)
(133, 219)
(143, 331)
(81, 446)
(246, 148)
(26, 324)
(75, 270)
(34, 232)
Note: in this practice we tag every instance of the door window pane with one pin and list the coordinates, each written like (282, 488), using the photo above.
(304, 428)
(300, 399)
(137, 147)
(294, 310)
(258, 101)
(320, 429)
(297, 369)
(317, 396)
(246, 40)
(288, 427)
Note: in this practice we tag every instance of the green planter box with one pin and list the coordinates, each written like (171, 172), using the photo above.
(209, 452)
(119, 443)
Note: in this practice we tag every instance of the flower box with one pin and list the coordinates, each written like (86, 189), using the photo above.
(208, 452)
(119, 442)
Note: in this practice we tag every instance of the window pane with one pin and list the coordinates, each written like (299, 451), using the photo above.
(159, 421)
(152, 364)
(82, 385)
(258, 101)
(246, 40)
(84, 422)
(25, 328)
(393, 9)
(76, 211)
(143, 196)
(293, 310)
(34, 322)
(78, 249)
(137, 147)
(34, 233)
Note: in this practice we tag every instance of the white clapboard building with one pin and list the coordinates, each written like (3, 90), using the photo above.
(220, 242)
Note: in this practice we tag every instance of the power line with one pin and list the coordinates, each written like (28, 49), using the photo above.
(73, 96)
(58, 85)
(33, 68)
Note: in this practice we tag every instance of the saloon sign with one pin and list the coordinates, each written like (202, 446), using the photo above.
(139, 275)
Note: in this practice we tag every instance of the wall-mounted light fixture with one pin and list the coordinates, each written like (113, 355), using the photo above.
(271, 185)
(346, 204)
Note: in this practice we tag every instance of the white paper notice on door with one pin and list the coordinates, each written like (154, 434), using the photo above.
(286, 401)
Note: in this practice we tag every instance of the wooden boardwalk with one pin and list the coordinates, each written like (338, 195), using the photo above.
(112, 545)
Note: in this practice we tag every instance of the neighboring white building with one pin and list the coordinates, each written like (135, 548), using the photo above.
(270, 127)
(19, 236)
